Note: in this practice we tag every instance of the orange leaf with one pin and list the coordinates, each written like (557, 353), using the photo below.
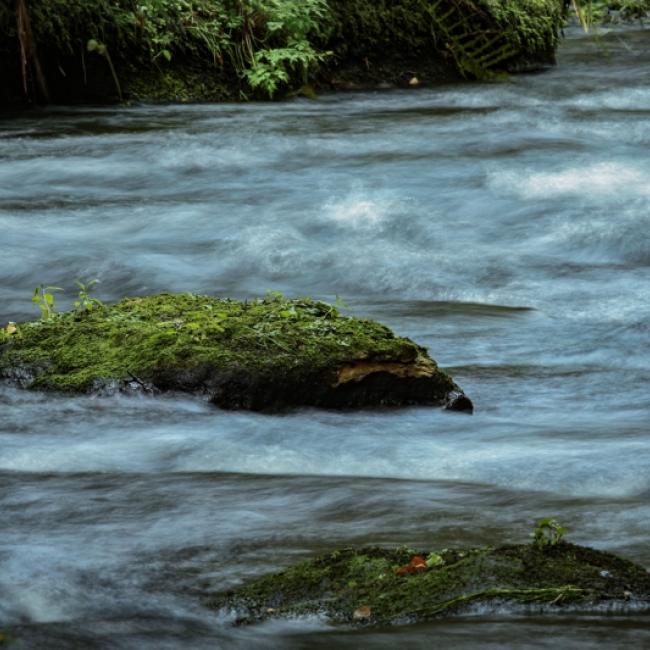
(417, 564)
(362, 613)
(403, 570)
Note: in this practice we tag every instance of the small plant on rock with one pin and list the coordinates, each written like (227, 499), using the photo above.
(85, 303)
(43, 298)
(548, 532)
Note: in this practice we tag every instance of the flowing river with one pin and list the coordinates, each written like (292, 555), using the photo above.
(505, 226)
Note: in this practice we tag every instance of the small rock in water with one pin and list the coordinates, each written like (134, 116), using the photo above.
(459, 402)
(376, 586)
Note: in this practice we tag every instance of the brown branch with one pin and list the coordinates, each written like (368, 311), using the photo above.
(23, 37)
(28, 51)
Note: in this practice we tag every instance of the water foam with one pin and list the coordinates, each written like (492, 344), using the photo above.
(357, 211)
(597, 180)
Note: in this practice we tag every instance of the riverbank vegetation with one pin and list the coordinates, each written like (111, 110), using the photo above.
(81, 50)
(591, 13)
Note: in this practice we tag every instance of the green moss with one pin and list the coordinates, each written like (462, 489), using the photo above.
(181, 84)
(532, 26)
(608, 11)
(340, 583)
(200, 343)
(473, 36)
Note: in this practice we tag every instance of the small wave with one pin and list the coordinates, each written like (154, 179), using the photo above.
(596, 180)
(623, 237)
(357, 212)
(441, 308)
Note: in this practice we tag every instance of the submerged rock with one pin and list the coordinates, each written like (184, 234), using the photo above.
(382, 586)
(261, 354)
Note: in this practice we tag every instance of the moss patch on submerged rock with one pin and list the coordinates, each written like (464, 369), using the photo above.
(259, 354)
(366, 585)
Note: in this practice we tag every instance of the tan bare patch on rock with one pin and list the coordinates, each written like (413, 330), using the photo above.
(358, 371)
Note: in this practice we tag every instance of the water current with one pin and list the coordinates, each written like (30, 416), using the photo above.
(505, 226)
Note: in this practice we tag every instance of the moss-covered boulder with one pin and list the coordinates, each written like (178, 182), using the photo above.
(259, 354)
(381, 586)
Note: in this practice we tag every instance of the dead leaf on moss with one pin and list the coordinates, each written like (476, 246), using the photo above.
(416, 565)
(362, 613)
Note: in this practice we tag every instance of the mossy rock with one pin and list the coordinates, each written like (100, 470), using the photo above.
(367, 586)
(259, 354)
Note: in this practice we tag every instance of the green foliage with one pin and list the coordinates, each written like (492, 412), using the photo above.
(274, 46)
(637, 9)
(273, 68)
(530, 26)
(476, 35)
(85, 302)
(588, 12)
(434, 559)
(592, 12)
(267, 42)
(274, 296)
(631, 9)
(548, 532)
(266, 47)
(43, 298)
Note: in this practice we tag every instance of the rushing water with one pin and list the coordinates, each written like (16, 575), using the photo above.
(505, 226)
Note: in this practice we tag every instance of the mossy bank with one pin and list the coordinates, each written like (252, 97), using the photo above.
(188, 50)
(261, 354)
(382, 586)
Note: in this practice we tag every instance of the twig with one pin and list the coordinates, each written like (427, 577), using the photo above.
(28, 51)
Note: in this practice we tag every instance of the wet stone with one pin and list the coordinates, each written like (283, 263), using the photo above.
(371, 585)
(265, 354)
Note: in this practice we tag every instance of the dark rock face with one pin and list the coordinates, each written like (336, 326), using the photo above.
(396, 586)
(261, 355)
(377, 389)
(456, 401)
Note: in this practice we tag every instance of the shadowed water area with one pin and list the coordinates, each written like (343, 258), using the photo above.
(504, 226)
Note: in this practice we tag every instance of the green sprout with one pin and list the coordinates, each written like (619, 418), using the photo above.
(43, 298)
(548, 532)
(85, 303)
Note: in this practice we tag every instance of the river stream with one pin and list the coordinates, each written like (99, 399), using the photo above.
(506, 226)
